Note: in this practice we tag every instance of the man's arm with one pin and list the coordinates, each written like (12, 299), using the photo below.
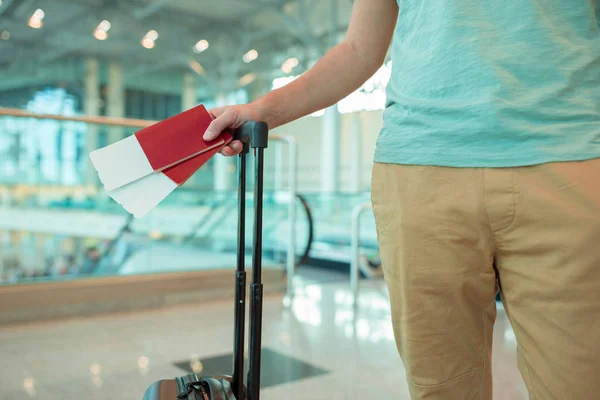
(341, 71)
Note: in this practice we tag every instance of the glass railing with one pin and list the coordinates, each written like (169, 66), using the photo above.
(171, 238)
(332, 242)
(57, 222)
(333, 216)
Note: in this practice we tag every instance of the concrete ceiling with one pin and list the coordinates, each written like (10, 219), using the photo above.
(277, 29)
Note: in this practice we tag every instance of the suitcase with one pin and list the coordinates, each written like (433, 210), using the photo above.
(232, 387)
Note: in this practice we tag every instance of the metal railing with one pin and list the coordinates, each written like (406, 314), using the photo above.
(140, 123)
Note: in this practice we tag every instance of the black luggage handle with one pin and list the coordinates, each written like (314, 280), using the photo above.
(252, 134)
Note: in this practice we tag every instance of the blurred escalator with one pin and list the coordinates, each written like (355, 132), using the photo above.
(210, 243)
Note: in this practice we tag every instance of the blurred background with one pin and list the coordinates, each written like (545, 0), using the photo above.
(77, 75)
(96, 304)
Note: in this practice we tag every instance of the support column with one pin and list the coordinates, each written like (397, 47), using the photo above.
(223, 165)
(91, 107)
(330, 154)
(355, 153)
(115, 99)
(188, 92)
(279, 175)
(189, 100)
(330, 132)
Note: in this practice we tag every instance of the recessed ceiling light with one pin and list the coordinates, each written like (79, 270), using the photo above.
(197, 67)
(201, 46)
(289, 65)
(39, 14)
(104, 26)
(148, 43)
(101, 31)
(100, 34)
(250, 56)
(149, 39)
(247, 79)
(152, 35)
(35, 21)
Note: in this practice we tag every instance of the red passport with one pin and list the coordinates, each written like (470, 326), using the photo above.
(155, 148)
(140, 171)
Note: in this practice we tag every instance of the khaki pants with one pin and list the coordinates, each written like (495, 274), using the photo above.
(450, 238)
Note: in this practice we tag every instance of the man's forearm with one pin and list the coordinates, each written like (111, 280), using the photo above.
(337, 74)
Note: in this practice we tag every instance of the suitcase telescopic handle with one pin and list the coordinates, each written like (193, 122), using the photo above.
(255, 133)
(252, 134)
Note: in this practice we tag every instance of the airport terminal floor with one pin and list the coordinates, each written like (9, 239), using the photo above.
(319, 347)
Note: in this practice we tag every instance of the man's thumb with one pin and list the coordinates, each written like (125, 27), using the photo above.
(219, 124)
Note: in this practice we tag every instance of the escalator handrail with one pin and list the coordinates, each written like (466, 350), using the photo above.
(124, 229)
(305, 254)
(309, 242)
(303, 258)
(310, 239)
(205, 218)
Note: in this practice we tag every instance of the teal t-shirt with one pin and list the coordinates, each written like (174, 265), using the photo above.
(489, 83)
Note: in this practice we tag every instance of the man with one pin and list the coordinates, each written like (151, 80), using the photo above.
(486, 178)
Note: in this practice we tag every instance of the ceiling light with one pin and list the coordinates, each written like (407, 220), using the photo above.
(35, 21)
(201, 46)
(152, 35)
(104, 26)
(28, 383)
(39, 14)
(197, 67)
(149, 38)
(95, 369)
(293, 62)
(147, 43)
(247, 79)
(250, 56)
(29, 386)
(143, 362)
(101, 31)
(100, 34)
(289, 65)
(5, 35)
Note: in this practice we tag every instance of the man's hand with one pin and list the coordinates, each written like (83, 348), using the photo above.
(232, 117)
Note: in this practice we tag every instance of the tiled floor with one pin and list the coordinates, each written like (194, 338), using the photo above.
(330, 351)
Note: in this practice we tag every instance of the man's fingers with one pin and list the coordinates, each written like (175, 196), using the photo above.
(228, 151)
(232, 148)
(219, 124)
(236, 146)
(215, 112)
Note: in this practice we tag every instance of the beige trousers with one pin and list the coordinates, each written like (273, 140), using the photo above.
(450, 238)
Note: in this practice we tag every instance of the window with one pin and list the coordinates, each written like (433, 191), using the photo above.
(370, 96)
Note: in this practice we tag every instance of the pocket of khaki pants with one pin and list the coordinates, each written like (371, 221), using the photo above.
(382, 196)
